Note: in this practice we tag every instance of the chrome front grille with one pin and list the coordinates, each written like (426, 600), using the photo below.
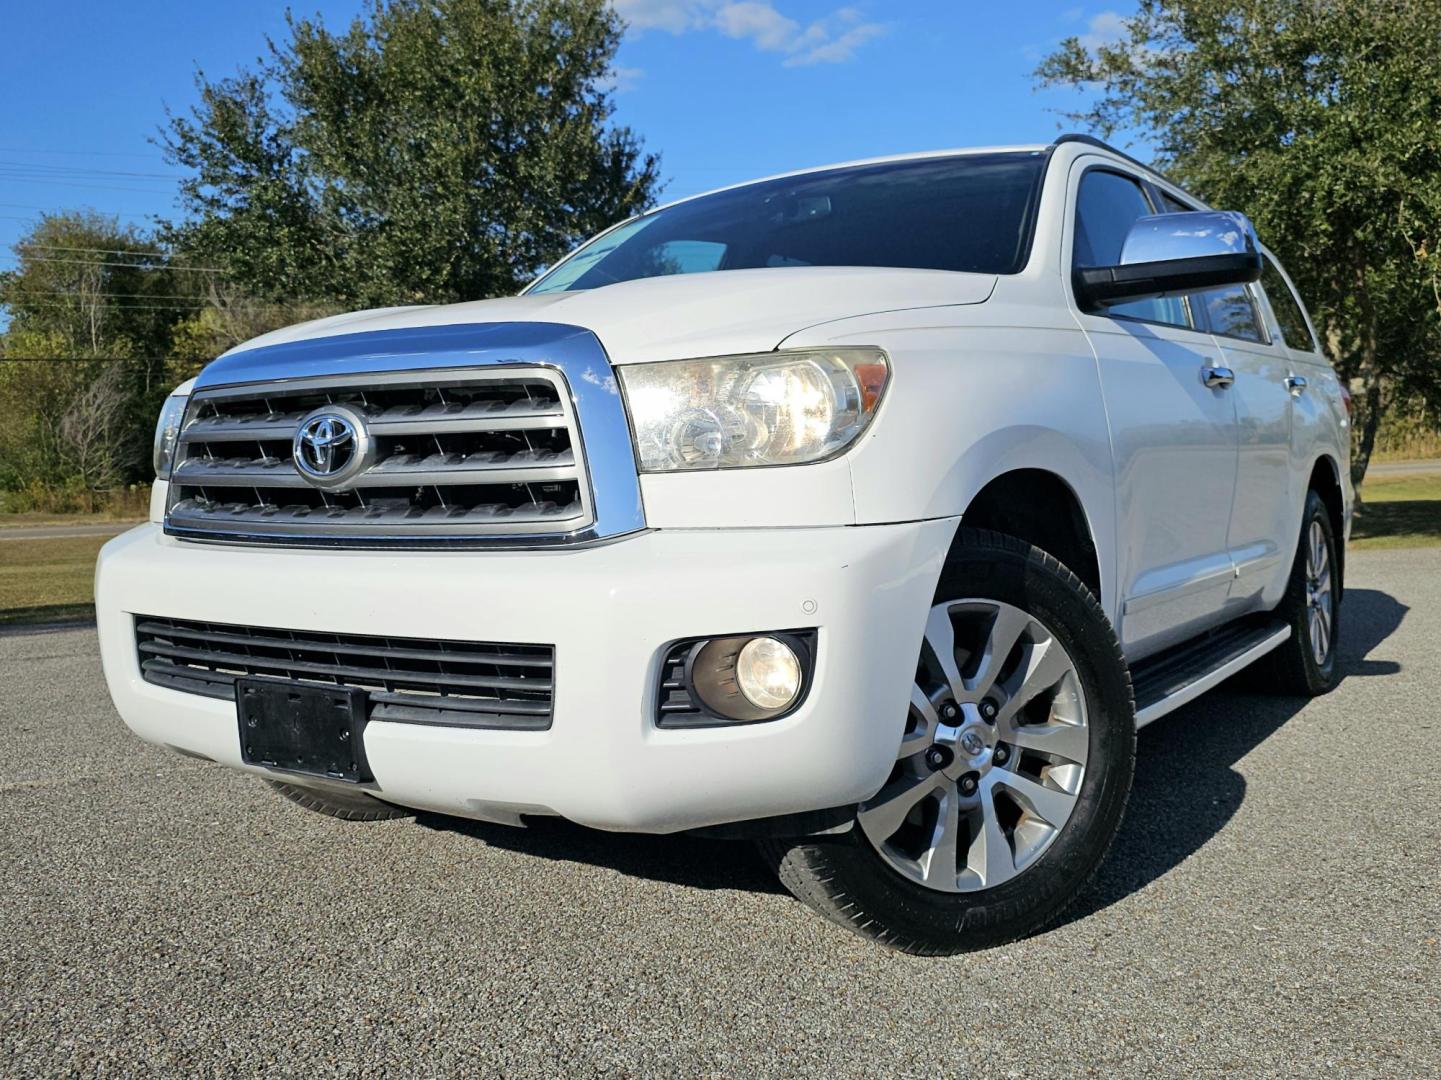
(494, 452)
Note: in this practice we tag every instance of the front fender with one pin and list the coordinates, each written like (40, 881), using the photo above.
(969, 403)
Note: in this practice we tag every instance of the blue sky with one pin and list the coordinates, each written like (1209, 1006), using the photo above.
(724, 90)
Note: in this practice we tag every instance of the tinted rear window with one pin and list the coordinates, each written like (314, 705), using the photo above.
(971, 212)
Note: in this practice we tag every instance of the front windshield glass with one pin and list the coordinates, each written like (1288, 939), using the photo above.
(967, 212)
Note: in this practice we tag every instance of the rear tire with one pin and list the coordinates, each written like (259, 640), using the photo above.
(346, 805)
(1305, 666)
(1040, 739)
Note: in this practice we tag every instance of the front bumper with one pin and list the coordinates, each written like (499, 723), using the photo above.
(609, 611)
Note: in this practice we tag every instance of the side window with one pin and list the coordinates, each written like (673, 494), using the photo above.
(1171, 205)
(1230, 312)
(1287, 309)
(1106, 206)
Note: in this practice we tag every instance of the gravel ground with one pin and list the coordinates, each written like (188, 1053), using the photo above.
(1270, 908)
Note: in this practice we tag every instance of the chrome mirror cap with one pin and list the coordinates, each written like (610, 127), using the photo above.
(1194, 235)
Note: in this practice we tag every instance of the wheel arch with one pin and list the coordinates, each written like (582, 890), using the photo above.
(1043, 509)
(1325, 481)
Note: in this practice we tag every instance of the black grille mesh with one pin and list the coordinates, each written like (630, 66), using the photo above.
(415, 680)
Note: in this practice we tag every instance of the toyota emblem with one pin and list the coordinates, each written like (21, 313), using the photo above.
(332, 447)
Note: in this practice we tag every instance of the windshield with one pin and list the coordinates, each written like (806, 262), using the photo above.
(968, 212)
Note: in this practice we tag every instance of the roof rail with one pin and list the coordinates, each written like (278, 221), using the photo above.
(1091, 140)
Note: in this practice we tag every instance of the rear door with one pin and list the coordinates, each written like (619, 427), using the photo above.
(1263, 515)
(1173, 438)
(1318, 422)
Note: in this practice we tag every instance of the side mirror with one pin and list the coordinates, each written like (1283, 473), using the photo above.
(1171, 254)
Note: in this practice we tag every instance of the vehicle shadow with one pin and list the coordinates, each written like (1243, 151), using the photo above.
(696, 862)
(1186, 788)
(1185, 791)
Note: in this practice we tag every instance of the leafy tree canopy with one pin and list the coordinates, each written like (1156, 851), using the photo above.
(437, 150)
(90, 286)
(91, 306)
(1321, 119)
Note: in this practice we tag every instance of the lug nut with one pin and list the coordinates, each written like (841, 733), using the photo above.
(1000, 755)
(938, 757)
(967, 784)
(988, 710)
(949, 711)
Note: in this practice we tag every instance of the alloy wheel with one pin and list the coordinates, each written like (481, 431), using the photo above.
(994, 753)
(1319, 613)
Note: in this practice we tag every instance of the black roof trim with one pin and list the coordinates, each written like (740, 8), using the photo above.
(1091, 140)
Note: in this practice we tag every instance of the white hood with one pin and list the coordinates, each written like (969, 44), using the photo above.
(685, 315)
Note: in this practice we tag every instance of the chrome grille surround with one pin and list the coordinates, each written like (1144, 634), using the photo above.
(483, 434)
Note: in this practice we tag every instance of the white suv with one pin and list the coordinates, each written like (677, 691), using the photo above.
(866, 511)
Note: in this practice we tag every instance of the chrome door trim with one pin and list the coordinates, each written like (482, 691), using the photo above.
(1207, 579)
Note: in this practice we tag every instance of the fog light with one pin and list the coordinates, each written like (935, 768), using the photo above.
(739, 678)
(768, 673)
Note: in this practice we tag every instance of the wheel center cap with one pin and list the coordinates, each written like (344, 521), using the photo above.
(972, 743)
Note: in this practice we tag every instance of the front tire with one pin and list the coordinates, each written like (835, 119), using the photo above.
(1012, 770)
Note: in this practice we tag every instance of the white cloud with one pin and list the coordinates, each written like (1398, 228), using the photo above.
(622, 79)
(1107, 28)
(833, 39)
(676, 16)
(760, 22)
(838, 49)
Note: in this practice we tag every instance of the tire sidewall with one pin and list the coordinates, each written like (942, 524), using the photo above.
(1320, 677)
(1032, 581)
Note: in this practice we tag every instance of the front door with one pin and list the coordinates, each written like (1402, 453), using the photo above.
(1173, 437)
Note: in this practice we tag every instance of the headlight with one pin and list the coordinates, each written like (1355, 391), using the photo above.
(780, 408)
(167, 431)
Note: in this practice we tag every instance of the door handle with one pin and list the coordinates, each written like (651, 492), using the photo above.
(1218, 378)
(1296, 384)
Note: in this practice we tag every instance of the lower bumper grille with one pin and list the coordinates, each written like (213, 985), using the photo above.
(411, 680)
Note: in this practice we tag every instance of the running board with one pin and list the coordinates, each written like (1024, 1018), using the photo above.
(1169, 680)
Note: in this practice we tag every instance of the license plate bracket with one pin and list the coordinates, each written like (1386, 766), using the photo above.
(303, 728)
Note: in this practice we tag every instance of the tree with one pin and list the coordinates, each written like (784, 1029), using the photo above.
(437, 150)
(82, 369)
(94, 433)
(228, 319)
(92, 284)
(1318, 118)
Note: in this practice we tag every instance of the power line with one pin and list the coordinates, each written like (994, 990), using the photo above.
(51, 304)
(51, 182)
(95, 251)
(118, 295)
(84, 359)
(78, 153)
(52, 211)
(128, 266)
(80, 170)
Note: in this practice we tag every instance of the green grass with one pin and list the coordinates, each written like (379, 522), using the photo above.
(34, 520)
(48, 580)
(1399, 511)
